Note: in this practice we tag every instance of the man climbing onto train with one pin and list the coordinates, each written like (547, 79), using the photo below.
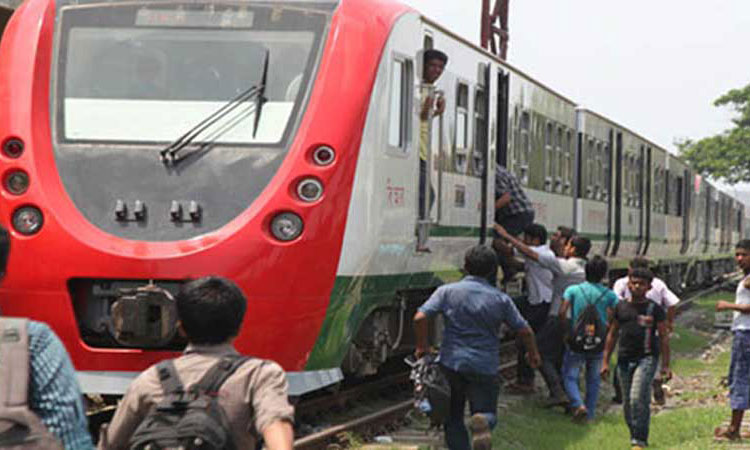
(739, 366)
(432, 105)
(534, 307)
(591, 304)
(662, 296)
(251, 392)
(635, 324)
(473, 311)
(567, 270)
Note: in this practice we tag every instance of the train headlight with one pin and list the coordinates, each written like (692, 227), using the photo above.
(309, 189)
(324, 155)
(28, 220)
(13, 147)
(286, 226)
(17, 182)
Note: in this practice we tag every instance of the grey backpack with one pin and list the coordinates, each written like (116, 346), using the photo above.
(20, 428)
(188, 419)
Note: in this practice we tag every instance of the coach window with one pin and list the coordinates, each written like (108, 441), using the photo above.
(607, 160)
(525, 147)
(599, 172)
(399, 129)
(590, 169)
(559, 163)
(568, 175)
(480, 132)
(549, 156)
(462, 122)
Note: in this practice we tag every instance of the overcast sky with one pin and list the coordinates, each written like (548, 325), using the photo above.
(656, 66)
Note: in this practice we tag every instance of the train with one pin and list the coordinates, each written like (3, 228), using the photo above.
(276, 143)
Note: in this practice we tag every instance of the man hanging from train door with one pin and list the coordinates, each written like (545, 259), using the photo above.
(432, 104)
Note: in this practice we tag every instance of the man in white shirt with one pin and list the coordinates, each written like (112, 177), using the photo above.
(534, 307)
(659, 292)
(662, 296)
(739, 367)
(566, 271)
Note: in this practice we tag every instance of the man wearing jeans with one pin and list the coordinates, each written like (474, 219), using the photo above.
(473, 310)
(739, 367)
(577, 298)
(636, 322)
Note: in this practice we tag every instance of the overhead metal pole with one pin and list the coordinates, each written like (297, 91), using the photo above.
(495, 33)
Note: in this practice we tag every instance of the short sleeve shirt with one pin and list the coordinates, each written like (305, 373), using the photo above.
(473, 311)
(659, 292)
(581, 295)
(253, 397)
(742, 321)
(638, 329)
(507, 182)
(539, 278)
(565, 272)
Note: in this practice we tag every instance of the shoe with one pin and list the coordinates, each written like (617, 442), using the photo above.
(659, 397)
(481, 437)
(580, 414)
(722, 434)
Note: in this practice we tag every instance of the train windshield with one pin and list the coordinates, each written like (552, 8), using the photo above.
(150, 72)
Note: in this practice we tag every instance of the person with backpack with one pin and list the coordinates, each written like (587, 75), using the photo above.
(211, 397)
(473, 310)
(635, 323)
(591, 304)
(41, 406)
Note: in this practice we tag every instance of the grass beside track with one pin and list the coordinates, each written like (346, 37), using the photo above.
(698, 402)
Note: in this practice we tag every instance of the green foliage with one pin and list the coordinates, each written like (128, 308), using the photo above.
(725, 155)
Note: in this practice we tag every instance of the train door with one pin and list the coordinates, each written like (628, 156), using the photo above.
(618, 194)
(641, 197)
(647, 173)
(685, 210)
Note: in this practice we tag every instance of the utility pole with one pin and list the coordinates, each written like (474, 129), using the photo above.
(495, 34)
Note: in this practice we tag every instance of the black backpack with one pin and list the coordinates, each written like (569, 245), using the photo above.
(432, 391)
(589, 333)
(192, 419)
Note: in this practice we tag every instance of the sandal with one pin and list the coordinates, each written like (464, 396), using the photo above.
(580, 414)
(723, 434)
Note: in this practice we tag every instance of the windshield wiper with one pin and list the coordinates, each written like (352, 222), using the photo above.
(261, 99)
(168, 155)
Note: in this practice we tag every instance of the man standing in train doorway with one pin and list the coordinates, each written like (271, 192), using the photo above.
(432, 105)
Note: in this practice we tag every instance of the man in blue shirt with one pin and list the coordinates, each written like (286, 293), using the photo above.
(473, 310)
(577, 298)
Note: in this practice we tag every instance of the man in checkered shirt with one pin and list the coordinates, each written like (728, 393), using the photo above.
(513, 210)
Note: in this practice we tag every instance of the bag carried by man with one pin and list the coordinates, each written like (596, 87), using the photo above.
(192, 419)
(589, 332)
(20, 428)
(432, 391)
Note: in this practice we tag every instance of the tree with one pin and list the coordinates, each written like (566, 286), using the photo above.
(725, 155)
